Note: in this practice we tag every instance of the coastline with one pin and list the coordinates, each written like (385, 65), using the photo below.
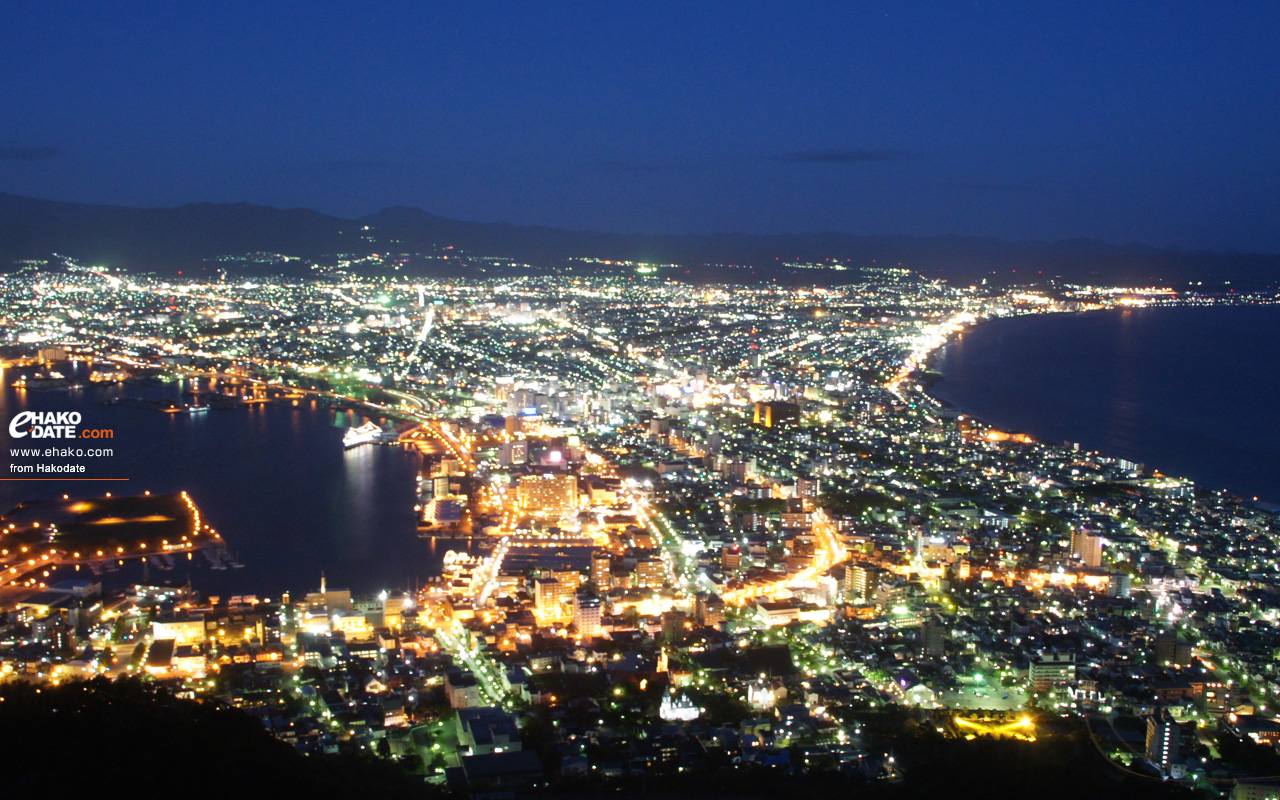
(340, 511)
(928, 366)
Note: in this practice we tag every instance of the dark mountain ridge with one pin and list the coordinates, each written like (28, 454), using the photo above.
(186, 238)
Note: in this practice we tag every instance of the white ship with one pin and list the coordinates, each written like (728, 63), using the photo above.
(365, 434)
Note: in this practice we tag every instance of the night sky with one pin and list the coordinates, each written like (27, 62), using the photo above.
(1153, 122)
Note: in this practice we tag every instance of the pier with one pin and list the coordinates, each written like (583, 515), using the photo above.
(100, 534)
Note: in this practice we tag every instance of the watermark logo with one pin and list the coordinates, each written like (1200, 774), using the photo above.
(53, 425)
(43, 460)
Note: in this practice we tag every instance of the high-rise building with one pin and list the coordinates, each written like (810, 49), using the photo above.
(651, 573)
(933, 638)
(1172, 652)
(548, 494)
(864, 580)
(795, 519)
(734, 470)
(440, 486)
(1164, 741)
(513, 454)
(546, 595)
(808, 487)
(586, 615)
(731, 557)
(569, 580)
(601, 564)
(714, 443)
(709, 609)
(1054, 669)
(524, 402)
(1086, 545)
(1121, 584)
(673, 624)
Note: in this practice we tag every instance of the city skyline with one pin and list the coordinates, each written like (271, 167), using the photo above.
(697, 532)
(727, 399)
(585, 523)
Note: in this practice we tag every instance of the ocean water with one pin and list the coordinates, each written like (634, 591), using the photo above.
(1190, 391)
(274, 480)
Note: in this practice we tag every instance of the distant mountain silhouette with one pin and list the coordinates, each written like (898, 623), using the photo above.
(186, 238)
(161, 239)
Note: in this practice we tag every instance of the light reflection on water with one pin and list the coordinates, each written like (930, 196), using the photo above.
(273, 479)
(1189, 391)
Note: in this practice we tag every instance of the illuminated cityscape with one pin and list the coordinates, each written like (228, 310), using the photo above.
(706, 401)
(690, 525)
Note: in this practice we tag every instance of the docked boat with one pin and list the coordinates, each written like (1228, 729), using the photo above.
(51, 382)
(365, 434)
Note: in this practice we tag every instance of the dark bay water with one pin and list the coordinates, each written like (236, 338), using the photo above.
(273, 479)
(1193, 392)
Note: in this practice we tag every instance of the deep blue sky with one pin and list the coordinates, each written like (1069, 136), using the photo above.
(1154, 122)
